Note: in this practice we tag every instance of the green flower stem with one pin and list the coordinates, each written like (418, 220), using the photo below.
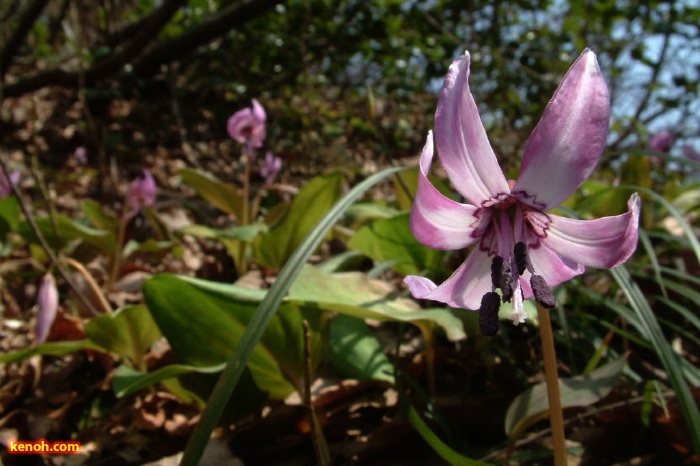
(121, 235)
(247, 160)
(556, 417)
(323, 455)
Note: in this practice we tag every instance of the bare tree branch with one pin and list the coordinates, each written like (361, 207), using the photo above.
(102, 69)
(24, 24)
(202, 34)
(151, 61)
(649, 88)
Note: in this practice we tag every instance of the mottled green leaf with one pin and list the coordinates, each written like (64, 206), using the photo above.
(222, 195)
(392, 238)
(582, 390)
(314, 201)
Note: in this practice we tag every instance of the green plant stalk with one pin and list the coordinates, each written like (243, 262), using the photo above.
(549, 357)
(116, 260)
(323, 456)
(247, 160)
(267, 308)
(242, 262)
(50, 204)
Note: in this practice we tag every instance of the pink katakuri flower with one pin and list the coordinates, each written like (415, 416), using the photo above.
(270, 168)
(80, 155)
(690, 153)
(47, 305)
(662, 141)
(519, 248)
(247, 126)
(141, 193)
(6, 185)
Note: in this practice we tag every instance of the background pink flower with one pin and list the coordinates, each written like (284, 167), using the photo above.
(141, 193)
(662, 141)
(6, 185)
(270, 168)
(247, 126)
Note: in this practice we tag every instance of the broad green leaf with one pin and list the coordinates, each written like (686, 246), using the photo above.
(347, 260)
(161, 230)
(356, 295)
(93, 211)
(362, 212)
(203, 322)
(392, 239)
(440, 447)
(406, 185)
(222, 195)
(355, 351)
(68, 230)
(127, 380)
(128, 332)
(153, 247)
(244, 233)
(582, 390)
(600, 200)
(308, 207)
(9, 215)
(53, 348)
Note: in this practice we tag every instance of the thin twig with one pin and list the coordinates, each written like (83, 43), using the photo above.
(190, 153)
(42, 241)
(89, 279)
(649, 88)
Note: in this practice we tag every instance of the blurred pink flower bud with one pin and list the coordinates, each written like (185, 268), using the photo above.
(141, 193)
(6, 185)
(662, 141)
(47, 301)
(80, 155)
(690, 153)
(247, 126)
(270, 168)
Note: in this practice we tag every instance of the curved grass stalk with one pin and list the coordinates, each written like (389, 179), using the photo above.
(669, 359)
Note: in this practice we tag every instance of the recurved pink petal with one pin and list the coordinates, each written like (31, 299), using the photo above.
(566, 144)
(419, 286)
(602, 243)
(468, 284)
(438, 221)
(462, 145)
(259, 111)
